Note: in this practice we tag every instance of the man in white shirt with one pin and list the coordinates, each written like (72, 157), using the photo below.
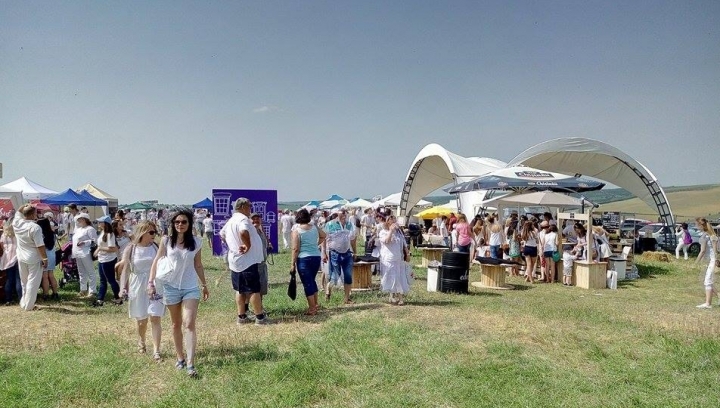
(244, 256)
(208, 228)
(286, 222)
(368, 223)
(31, 255)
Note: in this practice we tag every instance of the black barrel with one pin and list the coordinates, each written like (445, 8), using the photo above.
(459, 259)
(452, 279)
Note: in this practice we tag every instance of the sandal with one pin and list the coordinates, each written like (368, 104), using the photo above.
(191, 371)
(180, 364)
(141, 347)
(157, 357)
(349, 302)
(327, 297)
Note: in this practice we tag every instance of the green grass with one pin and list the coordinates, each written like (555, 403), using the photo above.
(643, 345)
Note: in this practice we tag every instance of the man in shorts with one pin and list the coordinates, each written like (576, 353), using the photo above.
(244, 256)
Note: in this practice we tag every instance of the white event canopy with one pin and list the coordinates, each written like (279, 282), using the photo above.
(30, 189)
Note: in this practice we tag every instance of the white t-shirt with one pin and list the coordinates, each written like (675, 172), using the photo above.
(208, 224)
(185, 260)
(86, 235)
(111, 242)
(28, 236)
(550, 241)
(234, 227)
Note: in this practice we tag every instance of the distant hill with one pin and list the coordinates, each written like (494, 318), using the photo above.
(686, 202)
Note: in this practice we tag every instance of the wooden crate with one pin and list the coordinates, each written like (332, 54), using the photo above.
(590, 275)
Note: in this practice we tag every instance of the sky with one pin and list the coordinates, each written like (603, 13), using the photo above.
(168, 100)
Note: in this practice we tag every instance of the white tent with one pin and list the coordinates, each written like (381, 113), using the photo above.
(359, 203)
(434, 167)
(393, 200)
(30, 189)
(601, 161)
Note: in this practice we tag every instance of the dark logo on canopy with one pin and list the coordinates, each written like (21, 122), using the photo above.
(533, 174)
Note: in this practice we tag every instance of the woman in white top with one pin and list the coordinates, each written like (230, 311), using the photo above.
(550, 247)
(107, 253)
(393, 255)
(530, 249)
(708, 250)
(137, 260)
(122, 238)
(684, 239)
(181, 288)
(82, 239)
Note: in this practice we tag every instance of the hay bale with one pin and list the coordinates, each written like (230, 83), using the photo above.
(656, 256)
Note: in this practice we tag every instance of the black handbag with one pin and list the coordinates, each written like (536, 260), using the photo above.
(292, 287)
(93, 248)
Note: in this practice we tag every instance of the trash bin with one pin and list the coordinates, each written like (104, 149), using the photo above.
(617, 264)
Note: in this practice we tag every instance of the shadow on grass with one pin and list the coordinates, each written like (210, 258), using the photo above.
(223, 356)
(291, 315)
(67, 311)
(648, 270)
(621, 284)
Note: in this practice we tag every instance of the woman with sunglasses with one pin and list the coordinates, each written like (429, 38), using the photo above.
(137, 259)
(182, 288)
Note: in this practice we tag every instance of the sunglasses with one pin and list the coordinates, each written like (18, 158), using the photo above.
(152, 232)
(181, 222)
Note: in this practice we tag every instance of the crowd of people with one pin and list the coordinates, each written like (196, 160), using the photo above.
(152, 277)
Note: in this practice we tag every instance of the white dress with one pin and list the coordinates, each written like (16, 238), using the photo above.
(140, 305)
(394, 278)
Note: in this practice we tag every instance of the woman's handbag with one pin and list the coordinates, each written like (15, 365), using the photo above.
(292, 286)
(165, 270)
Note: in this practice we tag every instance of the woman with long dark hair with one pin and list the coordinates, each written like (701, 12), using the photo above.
(530, 249)
(107, 253)
(48, 278)
(182, 288)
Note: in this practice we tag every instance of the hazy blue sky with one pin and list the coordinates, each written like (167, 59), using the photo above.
(166, 100)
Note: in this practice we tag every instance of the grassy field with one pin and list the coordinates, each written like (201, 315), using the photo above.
(544, 345)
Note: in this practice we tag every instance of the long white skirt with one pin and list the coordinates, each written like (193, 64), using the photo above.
(394, 278)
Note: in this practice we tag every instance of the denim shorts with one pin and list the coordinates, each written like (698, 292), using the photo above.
(173, 296)
(530, 251)
(495, 252)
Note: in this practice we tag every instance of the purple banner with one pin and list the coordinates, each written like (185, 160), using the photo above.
(264, 202)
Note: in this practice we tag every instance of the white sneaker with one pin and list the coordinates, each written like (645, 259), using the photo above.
(704, 306)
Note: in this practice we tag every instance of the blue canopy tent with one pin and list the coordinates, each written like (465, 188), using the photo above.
(206, 204)
(69, 196)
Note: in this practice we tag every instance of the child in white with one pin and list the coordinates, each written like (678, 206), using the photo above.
(569, 257)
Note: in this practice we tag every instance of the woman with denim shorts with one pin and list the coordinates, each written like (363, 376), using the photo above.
(182, 289)
(306, 239)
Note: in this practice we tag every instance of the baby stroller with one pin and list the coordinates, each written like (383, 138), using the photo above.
(68, 265)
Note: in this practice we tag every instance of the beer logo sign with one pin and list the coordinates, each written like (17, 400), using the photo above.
(533, 174)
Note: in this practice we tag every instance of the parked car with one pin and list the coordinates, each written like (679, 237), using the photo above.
(658, 233)
(630, 227)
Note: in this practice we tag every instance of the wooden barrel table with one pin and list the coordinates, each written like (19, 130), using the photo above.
(492, 277)
(431, 254)
(362, 276)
